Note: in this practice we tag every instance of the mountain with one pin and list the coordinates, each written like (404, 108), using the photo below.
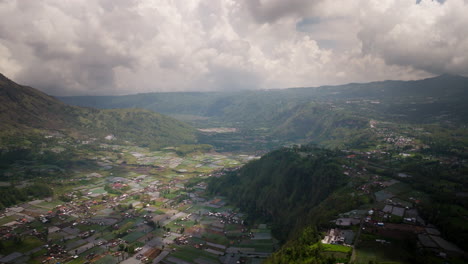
(324, 115)
(23, 106)
(251, 106)
(27, 111)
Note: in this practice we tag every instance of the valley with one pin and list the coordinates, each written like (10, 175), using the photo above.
(234, 132)
(127, 204)
(345, 174)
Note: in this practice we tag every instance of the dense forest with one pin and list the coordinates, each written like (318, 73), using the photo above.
(14, 195)
(283, 186)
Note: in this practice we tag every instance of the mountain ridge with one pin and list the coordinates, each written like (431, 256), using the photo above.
(202, 102)
(317, 114)
(444, 77)
(25, 111)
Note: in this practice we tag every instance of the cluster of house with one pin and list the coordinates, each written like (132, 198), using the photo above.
(339, 237)
(380, 220)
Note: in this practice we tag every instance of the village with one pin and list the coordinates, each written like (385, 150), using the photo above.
(136, 206)
(389, 217)
(376, 230)
(129, 204)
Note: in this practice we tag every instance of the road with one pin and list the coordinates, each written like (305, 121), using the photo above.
(356, 240)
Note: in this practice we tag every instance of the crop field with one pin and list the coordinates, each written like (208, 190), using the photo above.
(109, 196)
(265, 245)
(133, 236)
(336, 248)
(27, 244)
(7, 219)
(216, 238)
(190, 254)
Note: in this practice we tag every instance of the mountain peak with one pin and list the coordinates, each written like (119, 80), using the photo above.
(448, 76)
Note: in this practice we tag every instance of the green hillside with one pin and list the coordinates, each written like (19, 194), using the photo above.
(283, 186)
(25, 111)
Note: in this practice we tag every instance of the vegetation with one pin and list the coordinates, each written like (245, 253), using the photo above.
(304, 249)
(283, 186)
(187, 149)
(261, 107)
(444, 183)
(14, 195)
(28, 114)
(415, 128)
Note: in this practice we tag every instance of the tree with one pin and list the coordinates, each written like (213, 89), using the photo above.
(131, 249)
(121, 247)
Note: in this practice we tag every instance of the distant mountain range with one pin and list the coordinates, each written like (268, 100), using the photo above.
(25, 111)
(327, 114)
(230, 104)
(320, 114)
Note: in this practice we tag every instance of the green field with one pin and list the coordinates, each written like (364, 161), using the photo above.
(265, 245)
(49, 205)
(339, 256)
(77, 261)
(107, 260)
(337, 248)
(108, 236)
(133, 236)
(95, 250)
(215, 238)
(7, 219)
(98, 191)
(190, 254)
(26, 244)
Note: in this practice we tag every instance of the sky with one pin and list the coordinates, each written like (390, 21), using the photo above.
(116, 47)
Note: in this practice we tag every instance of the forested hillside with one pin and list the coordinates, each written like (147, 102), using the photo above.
(26, 112)
(283, 186)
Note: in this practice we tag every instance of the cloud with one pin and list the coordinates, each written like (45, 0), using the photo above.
(267, 11)
(60, 50)
(130, 46)
(430, 36)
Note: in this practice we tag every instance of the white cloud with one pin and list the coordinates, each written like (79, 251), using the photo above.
(428, 36)
(121, 47)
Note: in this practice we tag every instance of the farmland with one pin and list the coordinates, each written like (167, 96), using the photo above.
(122, 203)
